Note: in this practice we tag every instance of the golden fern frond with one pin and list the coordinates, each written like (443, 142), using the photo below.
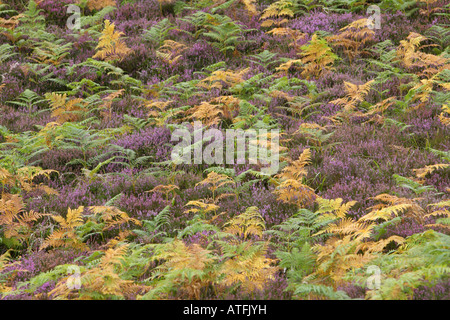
(100, 4)
(295, 192)
(202, 207)
(354, 94)
(25, 176)
(112, 216)
(207, 113)
(317, 57)
(296, 169)
(102, 280)
(442, 117)
(358, 92)
(378, 246)
(171, 51)
(65, 236)
(219, 78)
(228, 104)
(113, 256)
(181, 260)
(250, 6)
(5, 259)
(29, 216)
(407, 48)
(14, 220)
(251, 269)
(345, 226)
(381, 106)
(107, 103)
(164, 188)
(390, 199)
(215, 181)
(386, 213)
(159, 105)
(277, 10)
(180, 256)
(286, 66)
(408, 53)
(422, 172)
(353, 37)
(10, 206)
(65, 110)
(10, 23)
(74, 218)
(294, 35)
(291, 189)
(443, 210)
(111, 47)
(333, 208)
(249, 223)
(6, 177)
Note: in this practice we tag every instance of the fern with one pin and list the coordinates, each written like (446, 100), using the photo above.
(171, 51)
(355, 96)
(100, 4)
(276, 13)
(31, 20)
(318, 290)
(422, 259)
(103, 281)
(111, 47)
(353, 37)
(158, 32)
(15, 223)
(28, 99)
(154, 228)
(226, 36)
(65, 110)
(249, 223)
(264, 58)
(415, 186)
(185, 268)
(51, 52)
(6, 52)
(317, 57)
(291, 189)
(66, 235)
(246, 266)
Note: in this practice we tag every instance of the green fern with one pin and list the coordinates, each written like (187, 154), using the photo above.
(264, 59)
(6, 52)
(415, 186)
(28, 99)
(226, 36)
(159, 32)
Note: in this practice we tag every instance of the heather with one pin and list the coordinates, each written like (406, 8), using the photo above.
(94, 206)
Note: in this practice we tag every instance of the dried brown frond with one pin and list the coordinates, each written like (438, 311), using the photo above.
(353, 37)
(65, 110)
(171, 51)
(16, 223)
(106, 106)
(66, 235)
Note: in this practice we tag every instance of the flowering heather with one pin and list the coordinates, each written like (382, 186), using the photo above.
(93, 113)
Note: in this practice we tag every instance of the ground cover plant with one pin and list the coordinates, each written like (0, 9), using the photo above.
(94, 206)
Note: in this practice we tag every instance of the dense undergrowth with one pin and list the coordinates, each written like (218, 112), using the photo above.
(93, 207)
